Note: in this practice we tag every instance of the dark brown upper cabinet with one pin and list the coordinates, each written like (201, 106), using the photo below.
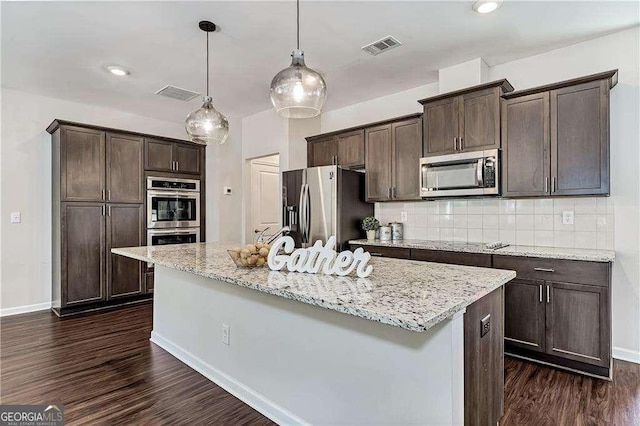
(166, 156)
(464, 120)
(82, 164)
(555, 138)
(393, 154)
(125, 228)
(344, 149)
(125, 171)
(378, 160)
(526, 146)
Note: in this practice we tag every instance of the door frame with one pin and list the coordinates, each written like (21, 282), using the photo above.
(248, 234)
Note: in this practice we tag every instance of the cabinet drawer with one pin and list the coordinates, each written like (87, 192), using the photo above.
(397, 252)
(571, 271)
(452, 257)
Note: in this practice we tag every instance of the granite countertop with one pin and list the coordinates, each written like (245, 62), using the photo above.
(511, 250)
(408, 294)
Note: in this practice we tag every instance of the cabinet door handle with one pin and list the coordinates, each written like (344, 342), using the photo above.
(103, 210)
(393, 192)
(544, 269)
(389, 192)
(540, 293)
(546, 184)
(109, 195)
(375, 254)
(553, 184)
(177, 166)
(103, 194)
(461, 143)
(548, 297)
(109, 210)
(455, 144)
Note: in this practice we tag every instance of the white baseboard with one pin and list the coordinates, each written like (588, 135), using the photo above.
(245, 394)
(24, 309)
(626, 354)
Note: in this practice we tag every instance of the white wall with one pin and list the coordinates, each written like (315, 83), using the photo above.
(266, 133)
(25, 277)
(621, 51)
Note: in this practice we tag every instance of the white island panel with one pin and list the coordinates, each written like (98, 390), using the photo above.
(298, 363)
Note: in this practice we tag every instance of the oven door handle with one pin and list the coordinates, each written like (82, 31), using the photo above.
(479, 173)
(171, 232)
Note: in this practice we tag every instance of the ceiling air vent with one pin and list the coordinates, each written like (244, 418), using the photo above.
(177, 93)
(382, 45)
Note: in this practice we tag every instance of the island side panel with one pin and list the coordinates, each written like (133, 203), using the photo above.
(298, 363)
(484, 361)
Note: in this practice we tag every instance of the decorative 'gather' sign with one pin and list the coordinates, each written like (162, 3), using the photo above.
(318, 257)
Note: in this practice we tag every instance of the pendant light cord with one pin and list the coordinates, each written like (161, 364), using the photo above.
(298, 24)
(207, 64)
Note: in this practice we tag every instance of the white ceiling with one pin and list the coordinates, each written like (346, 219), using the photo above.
(60, 49)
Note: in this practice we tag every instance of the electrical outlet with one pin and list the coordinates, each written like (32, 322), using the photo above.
(15, 217)
(225, 334)
(485, 325)
(567, 217)
(403, 217)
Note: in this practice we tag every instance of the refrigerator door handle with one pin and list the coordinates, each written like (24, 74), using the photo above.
(301, 212)
(307, 220)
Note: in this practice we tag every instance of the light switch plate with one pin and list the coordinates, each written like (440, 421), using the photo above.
(567, 217)
(16, 217)
(403, 217)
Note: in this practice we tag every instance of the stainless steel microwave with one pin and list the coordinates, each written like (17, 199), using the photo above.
(465, 174)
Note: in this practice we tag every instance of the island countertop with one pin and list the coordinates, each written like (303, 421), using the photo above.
(408, 294)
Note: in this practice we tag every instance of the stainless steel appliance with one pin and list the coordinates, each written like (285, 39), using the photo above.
(319, 202)
(173, 203)
(454, 175)
(160, 237)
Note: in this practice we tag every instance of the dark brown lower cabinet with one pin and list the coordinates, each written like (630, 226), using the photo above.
(82, 256)
(452, 257)
(124, 229)
(567, 324)
(578, 323)
(524, 324)
(484, 361)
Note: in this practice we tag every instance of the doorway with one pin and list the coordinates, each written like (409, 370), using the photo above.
(264, 209)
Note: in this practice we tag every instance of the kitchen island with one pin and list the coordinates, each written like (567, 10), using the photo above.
(415, 342)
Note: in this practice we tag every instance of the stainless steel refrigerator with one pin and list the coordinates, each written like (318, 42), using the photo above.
(319, 202)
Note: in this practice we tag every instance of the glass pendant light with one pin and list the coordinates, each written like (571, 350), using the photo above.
(206, 124)
(298, 91)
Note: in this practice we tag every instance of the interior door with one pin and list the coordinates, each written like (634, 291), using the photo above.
(125, 169)
(406, 154)
(578, 322)
(479, 120)
(580, 139)
(187, 158)
(124, 229)
(524, 324)
(378, 160)
(82, 164)
(83, 252)
(525, 146)
(265, 198)
(350, 149)
(440, 127)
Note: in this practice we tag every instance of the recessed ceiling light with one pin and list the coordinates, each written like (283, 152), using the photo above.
(119, 71)
(486, 6)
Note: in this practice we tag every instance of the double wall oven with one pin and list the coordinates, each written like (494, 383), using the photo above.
(173, 210)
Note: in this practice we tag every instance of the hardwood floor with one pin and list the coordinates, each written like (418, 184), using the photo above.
(103, 369)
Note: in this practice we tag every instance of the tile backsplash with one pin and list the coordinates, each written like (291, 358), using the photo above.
(523, 222)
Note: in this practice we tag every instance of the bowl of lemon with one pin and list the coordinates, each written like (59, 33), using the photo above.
(251, 255)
